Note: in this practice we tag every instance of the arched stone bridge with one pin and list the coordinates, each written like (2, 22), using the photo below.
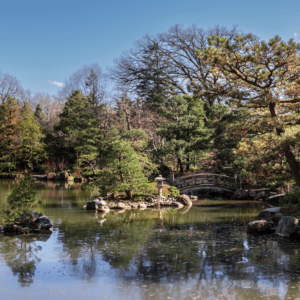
(204, 181)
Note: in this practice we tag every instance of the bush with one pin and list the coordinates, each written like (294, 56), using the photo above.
(291, 197)
(44, 168)
(174, 191)
(21, 201)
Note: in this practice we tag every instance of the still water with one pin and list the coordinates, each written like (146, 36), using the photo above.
(198, 253)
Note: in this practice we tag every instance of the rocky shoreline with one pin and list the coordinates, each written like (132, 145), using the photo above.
(269, 195)
(100, 205)
(36, 224)
(273, 220)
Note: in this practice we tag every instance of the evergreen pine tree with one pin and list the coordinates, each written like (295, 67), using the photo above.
(32, 147)
(80, 127)
(183, 128)
(121, 171)
(21, 201)
(9, 129)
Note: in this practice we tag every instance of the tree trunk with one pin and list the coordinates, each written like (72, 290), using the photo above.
(294, 164)
(180, 165)
(288, 151)
(129, 194)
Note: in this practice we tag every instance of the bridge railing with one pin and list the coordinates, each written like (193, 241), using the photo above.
(205, 179)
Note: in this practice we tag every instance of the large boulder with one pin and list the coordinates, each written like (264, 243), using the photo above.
(269, 214)
(104, 209)
(43, 221)
(142, 205)
(252, 194)
(287, 227)
(240, 194)
(63, 175)
(92, 205)
(194, 198)
(260, 195)
(184, 199)
(70, 178)
(176, 204)
(275, 198)
(120, 205)
(51, 175)
(259, 226)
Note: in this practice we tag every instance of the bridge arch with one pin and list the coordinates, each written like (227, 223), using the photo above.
(205, 181)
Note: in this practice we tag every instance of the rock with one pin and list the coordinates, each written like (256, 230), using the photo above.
(240, 194)
(63, 175)
(252, 194)
(277, 217)
(80, 179)
(260, 195)
(184, 199)
(70, 178)
(90, 179)
(259, 226)
(268, 214)
(142, 205)
(51, 175)
(134, 205)
(101, 202)
(275, 198)
(43, 221)
(287, 227)
(176, 204)
(92, 205)
(103, 208)
(22, 230)
(10, 228)
(1, 228)
(120, 205)
(194, 198)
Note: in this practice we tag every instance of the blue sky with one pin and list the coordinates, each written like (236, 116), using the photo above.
(45, 40)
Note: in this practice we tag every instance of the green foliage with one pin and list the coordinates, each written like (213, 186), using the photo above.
(121, 171)
(21, 201)
(80, 128)
(174, 191)
(291, 198)
(182, 130)
(44, 168)
(32, 147)
(9, 130)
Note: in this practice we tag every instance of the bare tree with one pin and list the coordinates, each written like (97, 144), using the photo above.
(90, 80)
(177, 63)
(9, 86)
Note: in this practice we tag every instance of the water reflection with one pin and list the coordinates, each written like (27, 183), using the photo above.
(21, 254)
(190, 253)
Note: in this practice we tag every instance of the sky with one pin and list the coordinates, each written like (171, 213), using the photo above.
(43, 42)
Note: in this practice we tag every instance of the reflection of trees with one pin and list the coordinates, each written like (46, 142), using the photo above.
(21, 255)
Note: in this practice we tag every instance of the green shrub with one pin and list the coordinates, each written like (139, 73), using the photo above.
(44, 168)
(291, 197)
(174, 191)
(21, 201)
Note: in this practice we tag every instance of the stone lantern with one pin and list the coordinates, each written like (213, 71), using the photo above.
(160, 184)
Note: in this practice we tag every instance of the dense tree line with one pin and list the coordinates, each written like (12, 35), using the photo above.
(185, 100)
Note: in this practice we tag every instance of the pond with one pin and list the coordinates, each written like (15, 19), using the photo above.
(197, 253)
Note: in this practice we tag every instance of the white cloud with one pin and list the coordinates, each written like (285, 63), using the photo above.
(60, 84)
(295, 34)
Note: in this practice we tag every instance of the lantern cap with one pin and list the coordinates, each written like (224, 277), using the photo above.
(160, 178)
